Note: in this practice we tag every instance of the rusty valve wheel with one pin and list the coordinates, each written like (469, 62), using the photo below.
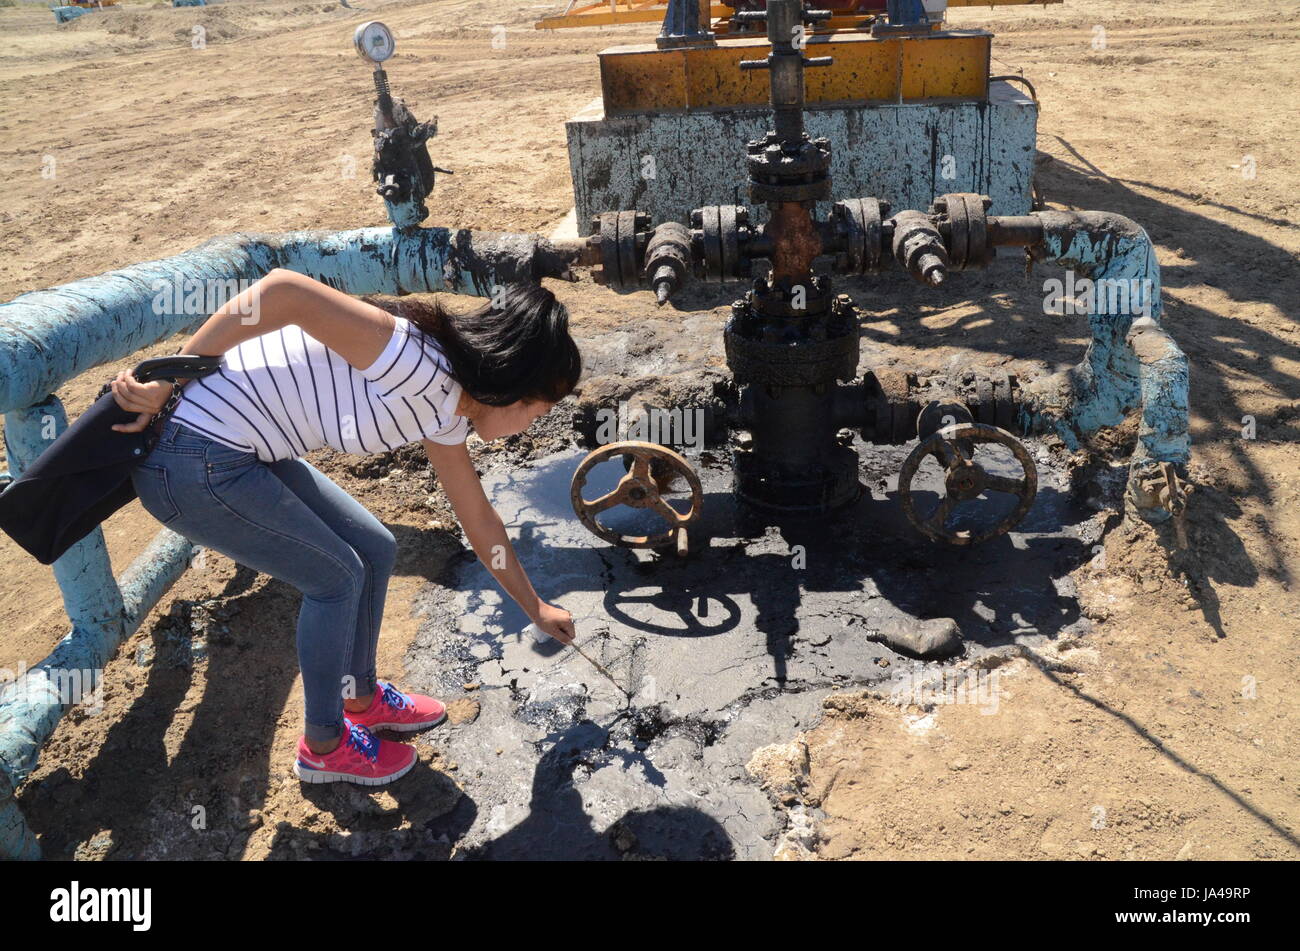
(965, 479)
(653, 470)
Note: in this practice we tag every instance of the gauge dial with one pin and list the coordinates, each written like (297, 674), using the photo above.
(374, 41)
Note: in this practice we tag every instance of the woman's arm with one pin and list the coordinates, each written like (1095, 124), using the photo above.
(487, 536)
(355, 330)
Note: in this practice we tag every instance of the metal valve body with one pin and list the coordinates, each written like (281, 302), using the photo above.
(792, 343)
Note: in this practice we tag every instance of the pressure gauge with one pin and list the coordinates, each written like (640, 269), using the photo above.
(374, 41)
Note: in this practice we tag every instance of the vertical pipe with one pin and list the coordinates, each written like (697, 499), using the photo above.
(85, 574)
(1131, 361)
(31, 706)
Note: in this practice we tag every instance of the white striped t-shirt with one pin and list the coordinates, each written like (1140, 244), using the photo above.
(283, 394)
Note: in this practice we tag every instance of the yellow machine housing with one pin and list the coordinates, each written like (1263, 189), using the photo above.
(935, 65)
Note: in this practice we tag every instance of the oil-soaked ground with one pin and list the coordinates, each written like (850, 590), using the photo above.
(729, 650)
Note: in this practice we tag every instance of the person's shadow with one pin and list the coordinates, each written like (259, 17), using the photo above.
(558, 827)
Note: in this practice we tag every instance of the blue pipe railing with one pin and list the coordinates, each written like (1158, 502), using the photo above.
(1131, 362)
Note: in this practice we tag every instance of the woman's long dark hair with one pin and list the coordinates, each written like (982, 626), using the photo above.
(515, 347)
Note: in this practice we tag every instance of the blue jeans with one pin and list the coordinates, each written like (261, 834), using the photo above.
(288, 520)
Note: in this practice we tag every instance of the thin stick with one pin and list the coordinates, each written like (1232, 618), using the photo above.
(608, 675)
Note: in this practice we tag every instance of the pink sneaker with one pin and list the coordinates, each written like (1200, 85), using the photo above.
(393, 710)
(360, 758)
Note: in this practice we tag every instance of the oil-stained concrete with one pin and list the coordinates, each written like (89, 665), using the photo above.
(905, 153)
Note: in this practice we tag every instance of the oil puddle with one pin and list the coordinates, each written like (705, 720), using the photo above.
(710, 657)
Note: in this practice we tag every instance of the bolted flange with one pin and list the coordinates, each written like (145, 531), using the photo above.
(962, 219)
(619, 244)
(857, 225)
(719, 234)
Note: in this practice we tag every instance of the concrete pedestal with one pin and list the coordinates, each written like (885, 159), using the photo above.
(905, 153)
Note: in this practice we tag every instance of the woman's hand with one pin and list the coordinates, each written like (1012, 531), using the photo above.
(147, 399)
(487, 535)
(555, 621)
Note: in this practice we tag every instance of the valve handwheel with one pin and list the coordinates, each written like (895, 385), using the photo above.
(653, 470)
(965, 479)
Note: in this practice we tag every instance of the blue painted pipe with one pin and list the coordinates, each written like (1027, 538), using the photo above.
(32, 705)
(50, 336)
(103, 614)
(1131, 362)
(16, 840)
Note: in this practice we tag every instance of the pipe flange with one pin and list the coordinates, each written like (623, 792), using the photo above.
(994, 398)
(963, 221)
(629, 258)
(618, 240)
(985, 411)
(729, 230)
(769, 161)
(808, 310)
(718, 232)
(710, 225)
(1004, 401)
(787, 352)
(899, 385)
(891, 406)
(777, 174)
(811, 364)
(877, 426)
(857, 223)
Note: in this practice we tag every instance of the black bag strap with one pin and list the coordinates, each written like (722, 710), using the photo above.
(173, 368)
(176, 367)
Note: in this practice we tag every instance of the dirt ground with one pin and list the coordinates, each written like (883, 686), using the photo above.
(1169, 731)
